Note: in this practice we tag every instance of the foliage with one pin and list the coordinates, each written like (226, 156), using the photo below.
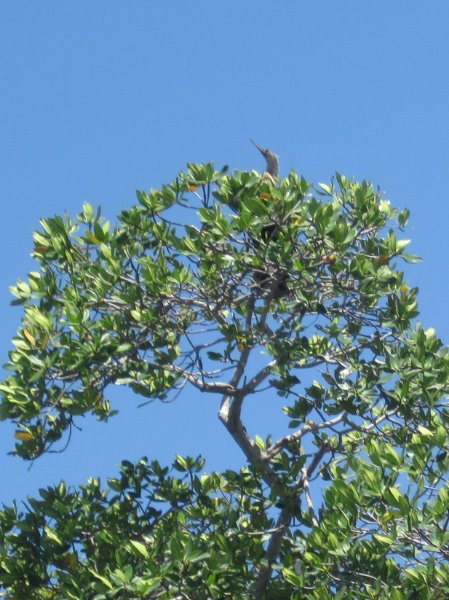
(274, 284)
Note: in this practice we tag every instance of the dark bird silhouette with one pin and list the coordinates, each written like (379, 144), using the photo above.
(274, 280)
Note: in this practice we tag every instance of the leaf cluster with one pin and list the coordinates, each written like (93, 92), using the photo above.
(235, 285)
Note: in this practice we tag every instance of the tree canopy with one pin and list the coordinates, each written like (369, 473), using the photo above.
(236, 285)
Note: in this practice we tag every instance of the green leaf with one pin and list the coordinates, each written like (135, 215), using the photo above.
(141, 548)
(401, 244)
(327, 188)
(50, 533)
(180, 463)
(292, 577)
(385, 540)
(106, 582)
(411, 258)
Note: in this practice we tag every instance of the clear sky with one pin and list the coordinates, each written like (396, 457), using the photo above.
(99, 99)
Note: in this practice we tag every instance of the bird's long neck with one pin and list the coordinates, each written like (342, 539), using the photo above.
(272, 165)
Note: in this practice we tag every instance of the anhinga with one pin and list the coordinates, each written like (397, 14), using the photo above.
(271, 278)
(268, 232)
(272, 163)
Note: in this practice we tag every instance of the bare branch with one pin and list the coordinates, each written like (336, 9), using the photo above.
(305, 480)
(278, 446)
(282, 524)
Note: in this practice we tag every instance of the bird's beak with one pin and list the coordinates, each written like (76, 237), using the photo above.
(261, 150)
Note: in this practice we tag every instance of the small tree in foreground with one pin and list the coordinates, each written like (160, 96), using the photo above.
(275, 287)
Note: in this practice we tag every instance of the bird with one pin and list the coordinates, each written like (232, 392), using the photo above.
(272, 163)
(271, 173)
(273, 279)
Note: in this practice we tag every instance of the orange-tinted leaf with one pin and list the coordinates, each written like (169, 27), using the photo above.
(24, 436)
(40, 249)
(29, 337)
(383, 258)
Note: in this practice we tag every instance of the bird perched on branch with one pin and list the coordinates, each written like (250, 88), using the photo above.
(272, 163)
(271, 173)
(271, 278)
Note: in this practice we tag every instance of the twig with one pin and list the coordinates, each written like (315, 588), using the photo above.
(305, 484)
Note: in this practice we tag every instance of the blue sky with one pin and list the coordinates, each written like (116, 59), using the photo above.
(102, 98)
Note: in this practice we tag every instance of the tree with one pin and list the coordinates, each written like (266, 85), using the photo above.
(351, 503)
